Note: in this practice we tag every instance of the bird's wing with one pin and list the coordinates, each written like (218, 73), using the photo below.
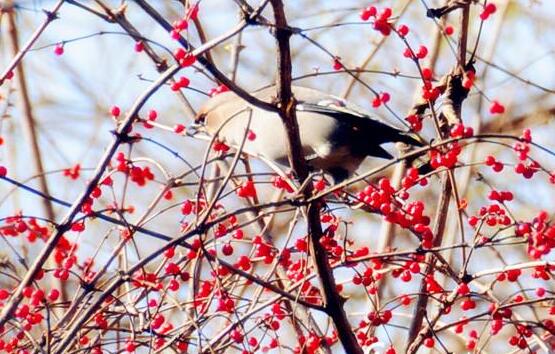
(327, 105)
(329, 108)
(382, 132)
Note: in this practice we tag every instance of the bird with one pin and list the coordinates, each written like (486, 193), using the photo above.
(336, 136)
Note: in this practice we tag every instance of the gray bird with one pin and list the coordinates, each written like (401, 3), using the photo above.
(335, 135)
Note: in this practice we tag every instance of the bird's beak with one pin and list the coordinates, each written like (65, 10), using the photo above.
(195, 128)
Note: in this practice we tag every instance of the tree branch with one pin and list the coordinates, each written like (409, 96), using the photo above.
(218, 75)
(50, 16)
(287, 110)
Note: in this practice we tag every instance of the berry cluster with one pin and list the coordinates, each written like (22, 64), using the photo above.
(381, 20)
(488, 10)
(448, 158)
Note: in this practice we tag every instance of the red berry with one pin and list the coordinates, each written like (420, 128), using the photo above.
(170, 252)
(468, 304)
(130, 347)
(468, 132)
(139, 46)
(526, 135)
(386, 13)
(469, 79)
(490, 160)
(406, 276)
(179, 128)
(457, 131)
(490, 8)
(183, 82)
(337, 65)
(179, 54)
(496, 107)
(152, 115)
(181, 25)
(448, 30)
(320, 185)
(403, 30)
(192, 12)
(364, 15)
(427, 73)
(498, 166)
(368, 12)
(463, 289)
(188, 59)
(227, 249)
(407, 53)
(54, 294)
(173, 285)
(174, 34)
(422, 52)
(187, 207)
(28, 291)
(59, 49)
(115, 111)
(172, 268)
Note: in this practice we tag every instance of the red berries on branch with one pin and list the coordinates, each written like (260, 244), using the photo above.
(489, 9)
(381, 19)
(184, 58)
(59, 49)
(496, 107)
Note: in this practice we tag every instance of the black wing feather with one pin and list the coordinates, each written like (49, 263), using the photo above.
(369, 129)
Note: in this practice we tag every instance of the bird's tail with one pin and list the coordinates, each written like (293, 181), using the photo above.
(383, 133)
(422, 163)
(409, 139)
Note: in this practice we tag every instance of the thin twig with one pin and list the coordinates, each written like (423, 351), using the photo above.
(50, 16)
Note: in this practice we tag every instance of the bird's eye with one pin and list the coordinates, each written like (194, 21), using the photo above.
(200, 118)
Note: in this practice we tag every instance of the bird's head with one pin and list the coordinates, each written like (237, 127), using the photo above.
(215, 110)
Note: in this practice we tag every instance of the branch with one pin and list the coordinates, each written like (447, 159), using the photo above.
(50, 16)
(28, 123)
(455, 94)
(518, 123)
(119, 17)
(333, 302)
(420, 310)
(353, 80)
(28, 120)
(221, 77)
(66, 223)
